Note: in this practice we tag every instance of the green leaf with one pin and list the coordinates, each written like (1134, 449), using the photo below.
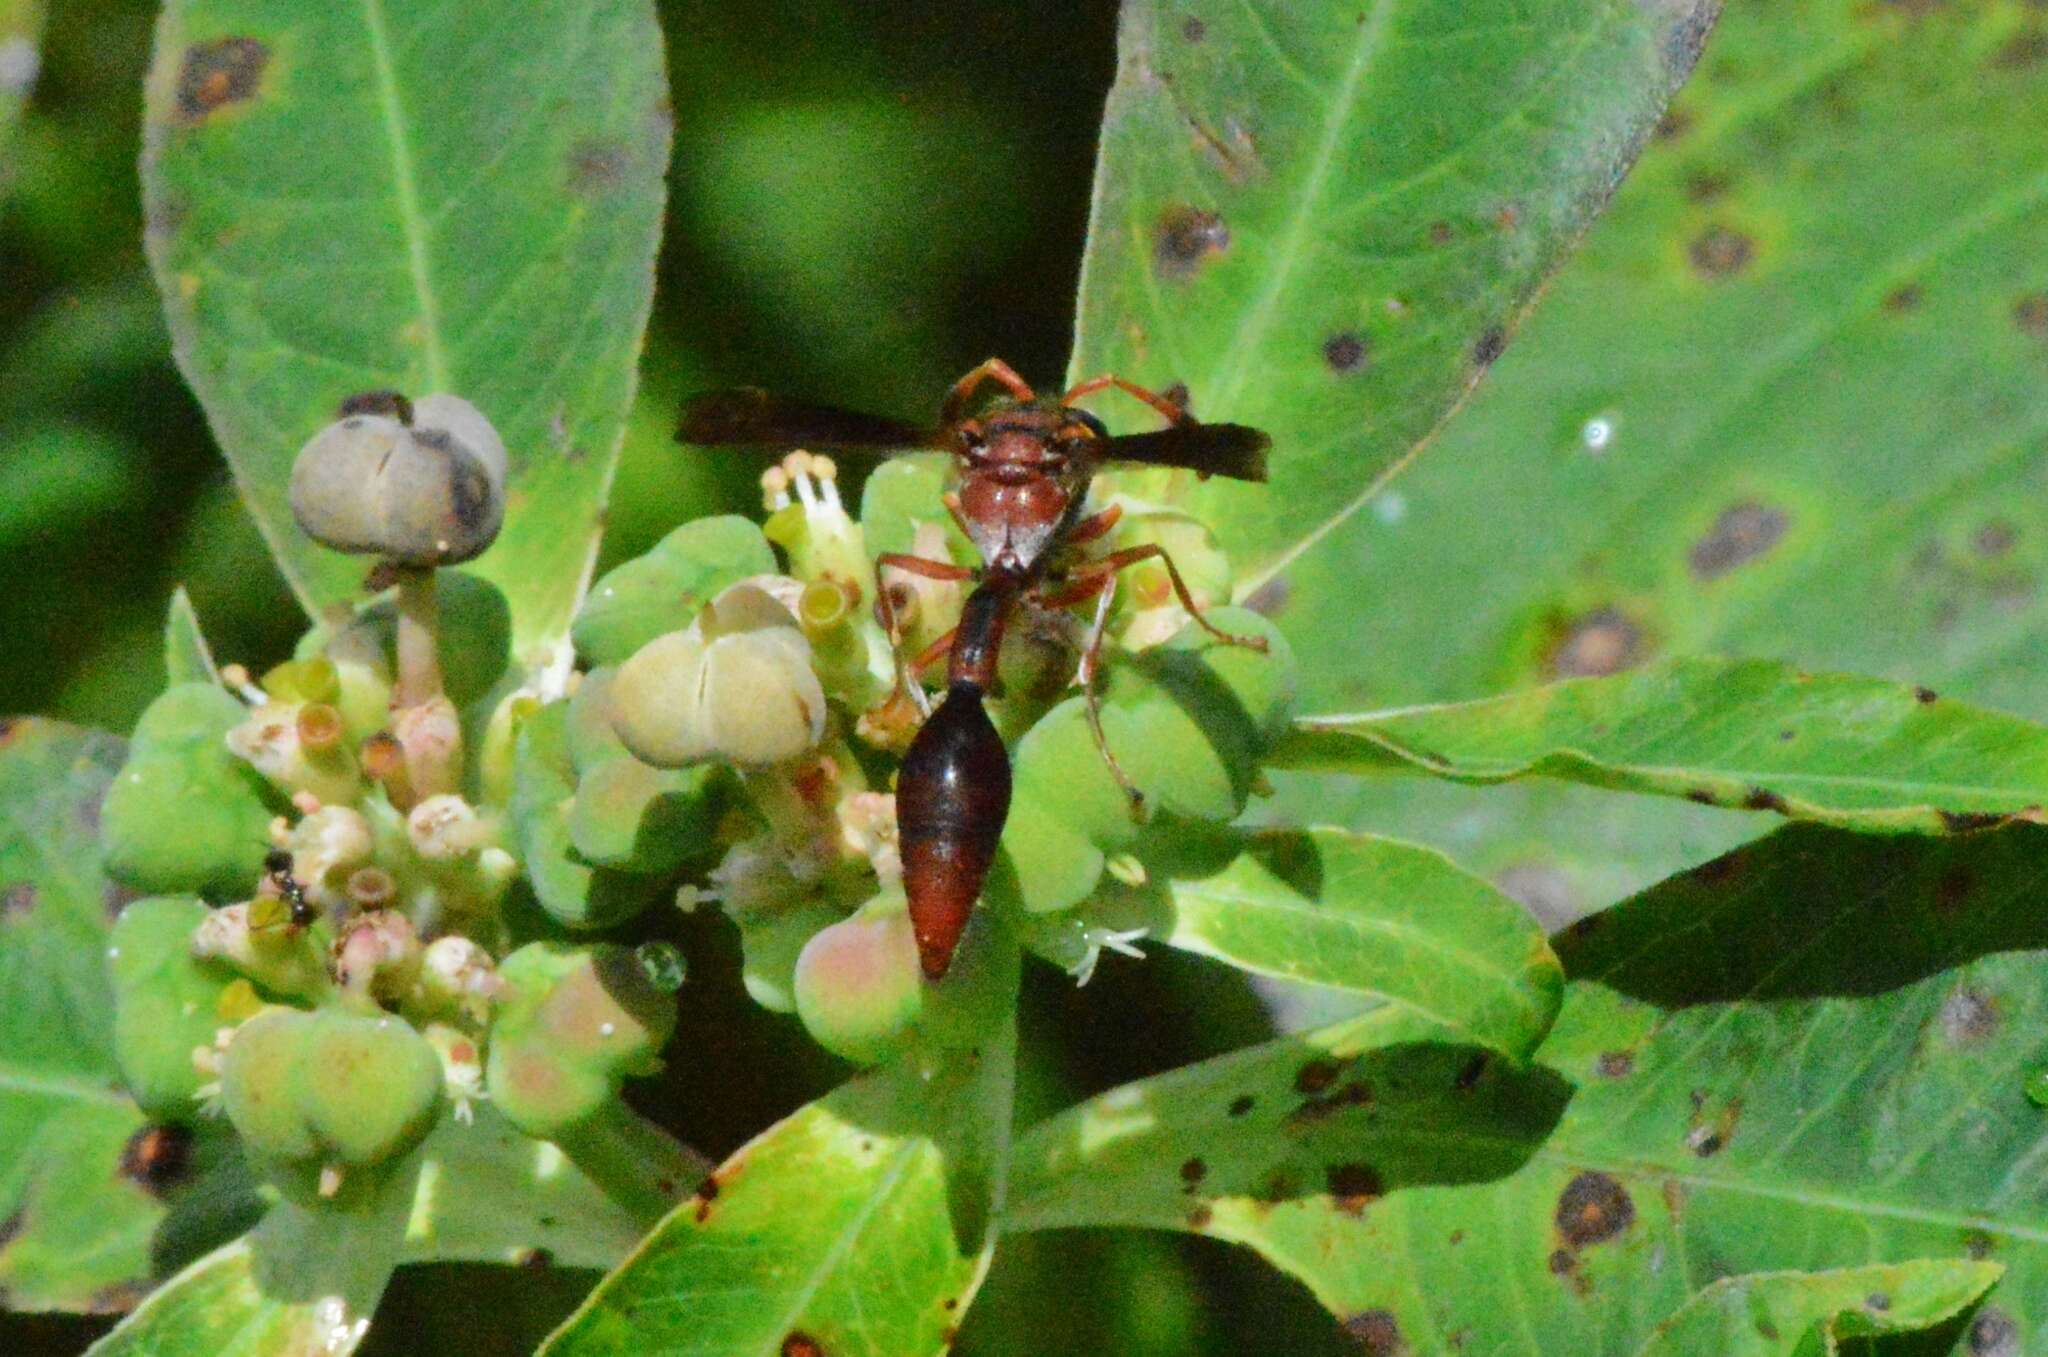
(1780, 1314)
(1369, 915)
(1816, 446)
(94, 1199)
(859, 1226)
(488, 1194)
(1809, 1054)
(303, 1281)
(1326, 219)
(186, 656)
(1856, 752)
(370, 196)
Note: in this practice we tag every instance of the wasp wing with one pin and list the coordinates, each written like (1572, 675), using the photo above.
(749, 417)
(1233, 450)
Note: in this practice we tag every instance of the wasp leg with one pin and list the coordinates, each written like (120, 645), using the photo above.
(931, 570)
(1102, 588)
(1130, 556)
(995, 369)
(1174, 413)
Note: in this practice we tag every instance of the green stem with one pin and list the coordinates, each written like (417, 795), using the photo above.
(634, 1162)
(419, 637)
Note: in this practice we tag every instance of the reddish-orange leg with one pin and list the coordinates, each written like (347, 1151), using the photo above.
(931, 570)
(1174, 413)
(995, 369)
(1130, 556)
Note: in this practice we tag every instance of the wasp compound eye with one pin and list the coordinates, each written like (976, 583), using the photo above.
(425, 492)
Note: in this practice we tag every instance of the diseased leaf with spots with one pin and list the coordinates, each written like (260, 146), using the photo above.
(1326, 220)
(1352, 912)
(92, 1199)
(1788, 401)
(1783, 1314)
(1751, 734)
(364, 196)
(1809, 1054)
(859, 1226)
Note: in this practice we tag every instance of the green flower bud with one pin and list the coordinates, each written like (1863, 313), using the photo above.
(424, 491)
(184, 814)
(664, 590)
(298, 747)
(260, 1084)
(166, 1003)
(736, 685)
(574, 1023)
(859, 991)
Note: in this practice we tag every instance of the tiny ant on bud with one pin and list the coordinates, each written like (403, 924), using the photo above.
(277, 873)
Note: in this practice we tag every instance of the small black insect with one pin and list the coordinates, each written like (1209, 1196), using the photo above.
(277, 870)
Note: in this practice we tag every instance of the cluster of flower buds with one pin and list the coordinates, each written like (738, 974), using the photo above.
(340, 853)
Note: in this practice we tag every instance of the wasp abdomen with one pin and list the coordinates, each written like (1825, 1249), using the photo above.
(952, 797)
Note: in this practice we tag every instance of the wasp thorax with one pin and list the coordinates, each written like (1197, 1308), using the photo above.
(419, 483)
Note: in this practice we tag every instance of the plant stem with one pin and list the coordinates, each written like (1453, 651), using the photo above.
(634, 1162)
(419, 637)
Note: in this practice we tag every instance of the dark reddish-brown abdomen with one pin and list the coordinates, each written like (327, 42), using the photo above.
(952, 797)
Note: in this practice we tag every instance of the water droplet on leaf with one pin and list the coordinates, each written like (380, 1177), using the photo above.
(663, 965)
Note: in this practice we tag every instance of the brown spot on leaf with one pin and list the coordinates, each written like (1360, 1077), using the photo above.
(1439, 233)
(1561, 1262)
(1508, 218)
(1316, 1075)
(597, 168)
(1993, 1334)
(1740, 534)
(1994, 539)
(1185, 239)
(2023, 50)
(1763, 798)
(1192, 1172)
(1199, 1216)
(1241, 1104)
(157, 1158)
(801, 1344)
(1345, 352)
(1489, 347)
(1703, 186)
(1599, 643)
(10, 726)
(1616, 1064)
(1376, 1331)
(1902, 299)
(17, 901)
(117, 1299)
(217, 73)
(1675, 123)
(1193, 29)
(1978, 1244)
(535, 1259)
(1593, 1209)
(1270, 598)
(1471, 1073)
(705, 1195)
(1968, 1016)
(2030, 313)
(13, 1226)
(1720, 252)
(1355, 1186)
(1877, 1301)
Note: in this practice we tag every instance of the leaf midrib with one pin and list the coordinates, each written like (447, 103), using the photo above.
(405, 193)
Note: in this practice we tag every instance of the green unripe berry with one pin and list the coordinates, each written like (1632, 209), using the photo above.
(573, 1024)
(566, 887)
(858, 988)
(166, 1003)
(631, 815)
(260, 1084)
(184, 814)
